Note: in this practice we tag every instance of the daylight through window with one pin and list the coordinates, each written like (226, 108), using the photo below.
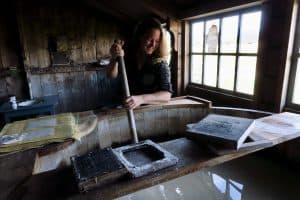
(224, 50)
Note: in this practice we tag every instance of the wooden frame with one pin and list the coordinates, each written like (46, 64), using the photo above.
(292, 76)
(218, 54)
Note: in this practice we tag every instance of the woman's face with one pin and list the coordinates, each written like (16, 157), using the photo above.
(151, 41)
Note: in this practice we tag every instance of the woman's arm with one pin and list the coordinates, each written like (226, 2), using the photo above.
(112, 69)
(116, 50)
(153, 98)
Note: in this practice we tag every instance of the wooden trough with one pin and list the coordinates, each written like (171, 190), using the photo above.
(161, 123)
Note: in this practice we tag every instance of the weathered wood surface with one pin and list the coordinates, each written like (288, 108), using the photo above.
(8, 38)
(11, 79)
(77, 91)
(80, 35)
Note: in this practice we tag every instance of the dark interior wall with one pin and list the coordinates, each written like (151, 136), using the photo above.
(83, 36)
(62, 43)
(12, 79)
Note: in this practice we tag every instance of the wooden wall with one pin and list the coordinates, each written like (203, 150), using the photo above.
(83, 37)
(77, 90)
(12, 79)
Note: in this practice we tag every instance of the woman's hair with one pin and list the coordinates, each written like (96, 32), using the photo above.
(143, 28)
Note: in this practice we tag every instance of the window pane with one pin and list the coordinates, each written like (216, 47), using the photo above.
(229, 34)
(226, 76)
(296, 92)
(246, 74)
(196, 69)
(210, 70)
(197, 37)
(250, 27)
(211, 36)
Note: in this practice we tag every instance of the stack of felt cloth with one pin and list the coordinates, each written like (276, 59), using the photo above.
(32, 133)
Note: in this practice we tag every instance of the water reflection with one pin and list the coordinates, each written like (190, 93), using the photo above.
(199, 185)
(247, 178)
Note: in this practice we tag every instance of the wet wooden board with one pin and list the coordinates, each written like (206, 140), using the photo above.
(61, 184)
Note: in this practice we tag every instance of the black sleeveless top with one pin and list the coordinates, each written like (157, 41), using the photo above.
(149, 79)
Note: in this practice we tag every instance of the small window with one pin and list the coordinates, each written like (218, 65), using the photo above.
(224, 50)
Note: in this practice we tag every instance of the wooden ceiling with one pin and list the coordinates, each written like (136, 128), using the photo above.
(132, 10)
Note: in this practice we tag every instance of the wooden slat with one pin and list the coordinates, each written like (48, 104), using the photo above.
(3, 87)
(106, 33)
(91, 90)
(48, 84)
(36, 87)
(88, 38)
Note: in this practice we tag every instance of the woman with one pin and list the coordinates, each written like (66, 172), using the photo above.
(147, 65)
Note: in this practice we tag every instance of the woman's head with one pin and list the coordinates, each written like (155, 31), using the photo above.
(149, 37)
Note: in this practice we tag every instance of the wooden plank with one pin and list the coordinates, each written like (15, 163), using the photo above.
(106, 33)
(160, 116)
(64, 93)
(3, 87)
(88, 38)
(115, 130)
(8, 49)
(48, 84)
(173, 121)
(35, 85)
(149, 118)
(32, 36)
(140, 125)
(74, 34)
(104, 135)
(11, 177)
(78, 91)
(2, 39)
(91, 90)
(42, 40)
(21, 28)
(69, 80)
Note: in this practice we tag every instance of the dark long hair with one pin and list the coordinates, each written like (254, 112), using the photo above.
(143, 28)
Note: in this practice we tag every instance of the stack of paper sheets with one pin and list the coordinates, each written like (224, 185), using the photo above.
(32, 133)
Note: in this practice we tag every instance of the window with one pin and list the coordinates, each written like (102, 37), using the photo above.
(224, 50)
(293, 98)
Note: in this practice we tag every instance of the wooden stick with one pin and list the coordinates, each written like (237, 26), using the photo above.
(131, 119)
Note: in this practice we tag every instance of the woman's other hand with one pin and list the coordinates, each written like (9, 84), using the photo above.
(116, 49)
(134, 101)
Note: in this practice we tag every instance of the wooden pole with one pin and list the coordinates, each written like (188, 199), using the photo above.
(127, 93)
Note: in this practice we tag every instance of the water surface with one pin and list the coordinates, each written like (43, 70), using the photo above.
(252, 178)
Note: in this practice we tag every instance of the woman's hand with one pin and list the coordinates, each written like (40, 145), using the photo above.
(116, 49)
(134, 101)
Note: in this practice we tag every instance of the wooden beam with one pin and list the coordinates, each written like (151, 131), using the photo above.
(213, 7)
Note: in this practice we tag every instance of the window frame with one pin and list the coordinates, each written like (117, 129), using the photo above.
(293, 67)
(220, 16)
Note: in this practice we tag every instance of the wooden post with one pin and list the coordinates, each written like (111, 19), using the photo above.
(127, 93)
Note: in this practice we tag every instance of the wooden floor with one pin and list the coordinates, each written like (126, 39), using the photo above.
(61, 184)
